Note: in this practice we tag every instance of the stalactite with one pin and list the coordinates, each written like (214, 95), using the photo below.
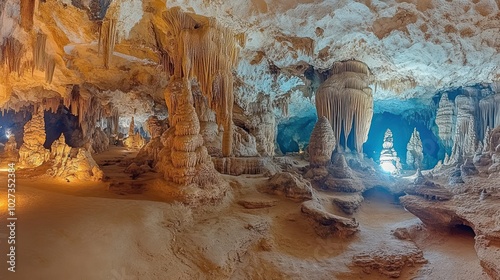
(51, 104)
(208, 52)
(12, 51)
(282, 103)
(49, 70)
(27, 11)
(107, 39)
(39, 54)
(347, 102)
(489, 109)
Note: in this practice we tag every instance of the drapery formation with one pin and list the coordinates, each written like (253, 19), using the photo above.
(203, 49)
(347, 102)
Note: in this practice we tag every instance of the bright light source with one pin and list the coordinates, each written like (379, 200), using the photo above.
(8, 133)
(388, 167)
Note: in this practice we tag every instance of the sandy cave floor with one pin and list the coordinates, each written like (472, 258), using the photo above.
(87, 231)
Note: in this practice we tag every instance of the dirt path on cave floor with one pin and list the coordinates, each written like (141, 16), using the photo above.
(71, 231)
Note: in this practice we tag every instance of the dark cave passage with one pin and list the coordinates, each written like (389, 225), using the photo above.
(380, 194)
(463, 230)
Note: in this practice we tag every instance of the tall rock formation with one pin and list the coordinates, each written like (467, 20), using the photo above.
(444, 120)
(32, 153)
(414, 151)
(134, 139)
(464, 140)
(389, 159)
(321, 144)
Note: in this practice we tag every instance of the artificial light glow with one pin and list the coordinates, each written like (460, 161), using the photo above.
(388, 167)
(8, 134)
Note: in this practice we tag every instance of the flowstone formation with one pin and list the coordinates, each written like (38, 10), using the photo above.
(414, 151)
(347, 102)
(134, 139)
(389, 159)
(32, 153)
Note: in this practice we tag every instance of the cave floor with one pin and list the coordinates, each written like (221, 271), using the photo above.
(91, 231)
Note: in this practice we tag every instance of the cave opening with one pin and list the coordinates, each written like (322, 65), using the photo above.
(12, 122)
(462, 230)
(381, 194)
(402, 129)
(293, 134)
(62, 122)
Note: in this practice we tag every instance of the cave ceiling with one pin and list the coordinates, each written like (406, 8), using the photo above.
(413, 48)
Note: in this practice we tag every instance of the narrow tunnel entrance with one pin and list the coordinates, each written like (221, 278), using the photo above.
(380, 194)
(462, 230)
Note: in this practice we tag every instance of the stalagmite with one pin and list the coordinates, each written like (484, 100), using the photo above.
(321, 144)
(414, 153)
(464, 141)
(32, 153)
(444, 120)
(486, 139)
(389, 159)
(73, 163)
(261, 123)
(10, 151)
(184, 159)
(134, 139)
(347, 102)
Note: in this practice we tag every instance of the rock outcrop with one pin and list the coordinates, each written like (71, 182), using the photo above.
(466, 208)
(289, 185)
(327, 224)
